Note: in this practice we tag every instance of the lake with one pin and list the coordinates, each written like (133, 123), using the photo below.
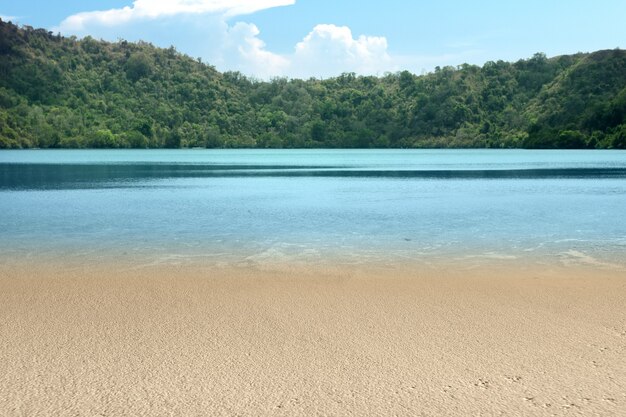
(256, 206)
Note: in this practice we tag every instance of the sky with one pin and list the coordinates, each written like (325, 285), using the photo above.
(324, 38)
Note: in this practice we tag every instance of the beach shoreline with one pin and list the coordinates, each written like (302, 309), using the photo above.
(101, 338)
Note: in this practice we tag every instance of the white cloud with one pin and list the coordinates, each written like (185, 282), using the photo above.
(202, 28)
(329, 48)
(246, 49)
(154, 9)
(197, 27)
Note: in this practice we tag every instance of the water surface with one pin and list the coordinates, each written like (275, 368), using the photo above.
(313, 205)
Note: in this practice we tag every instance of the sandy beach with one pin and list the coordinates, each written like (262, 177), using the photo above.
(201, 340)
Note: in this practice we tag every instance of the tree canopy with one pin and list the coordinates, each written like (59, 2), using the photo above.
(66, 92)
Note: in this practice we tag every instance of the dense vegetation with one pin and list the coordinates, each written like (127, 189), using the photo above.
(64, 92)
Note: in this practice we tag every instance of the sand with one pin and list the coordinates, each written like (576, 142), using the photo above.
(411, 340)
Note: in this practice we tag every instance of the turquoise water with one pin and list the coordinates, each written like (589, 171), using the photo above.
(312, 205)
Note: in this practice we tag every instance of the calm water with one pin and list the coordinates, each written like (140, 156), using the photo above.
(309, 205)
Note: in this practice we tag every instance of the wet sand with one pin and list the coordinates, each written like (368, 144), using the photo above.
(201, 340)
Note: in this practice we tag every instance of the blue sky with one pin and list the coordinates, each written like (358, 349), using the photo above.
(321, 38)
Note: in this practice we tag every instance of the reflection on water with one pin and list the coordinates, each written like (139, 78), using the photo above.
(259, 206)
(60, 176)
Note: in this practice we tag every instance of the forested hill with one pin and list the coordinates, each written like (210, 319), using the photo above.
(64, 92)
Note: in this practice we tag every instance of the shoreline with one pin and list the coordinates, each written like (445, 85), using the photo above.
(272, 258)
(293, 339)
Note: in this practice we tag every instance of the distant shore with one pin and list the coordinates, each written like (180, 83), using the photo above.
(118, 339)
(141, 96)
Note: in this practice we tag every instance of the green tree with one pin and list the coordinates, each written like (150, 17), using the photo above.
(571, 139)
(138, 66)
(64, 92)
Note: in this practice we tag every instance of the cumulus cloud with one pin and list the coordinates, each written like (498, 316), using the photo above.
(328, 48)
(326, 51)
(203, 28)
(154, 9)
(248, 51)
(199, 28)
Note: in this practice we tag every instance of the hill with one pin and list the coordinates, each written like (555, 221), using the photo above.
(65, 92)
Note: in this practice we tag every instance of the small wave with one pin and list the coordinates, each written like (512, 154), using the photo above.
(491, 255)
(573, 257)
(282, 253)
(178, 259)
